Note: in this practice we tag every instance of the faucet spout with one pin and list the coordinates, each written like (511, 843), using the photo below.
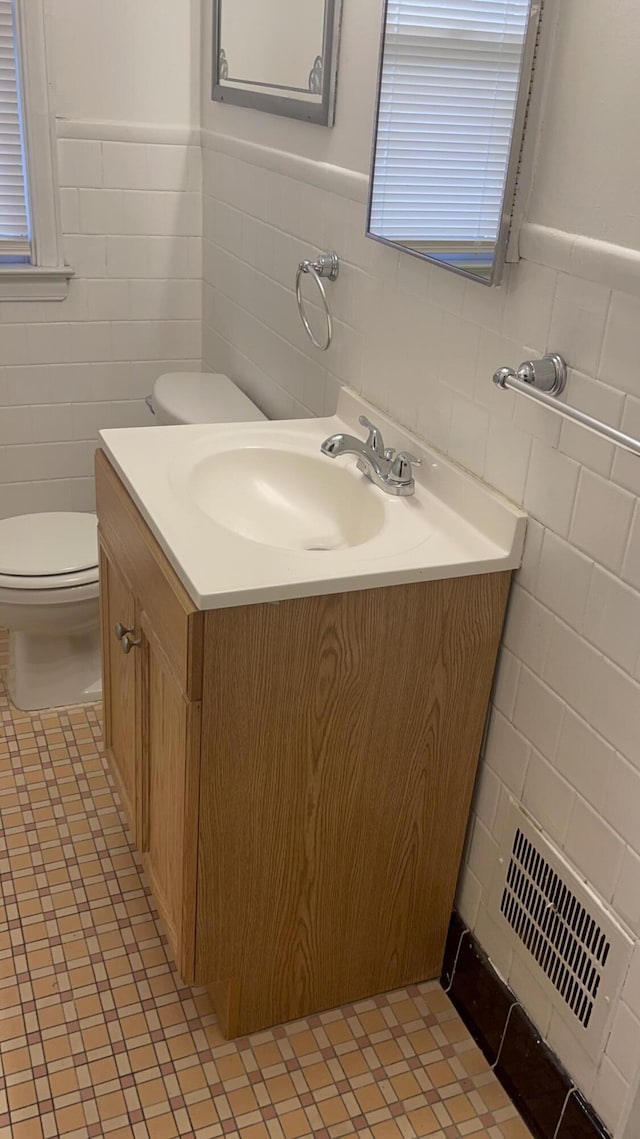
(341, 444)
(381, 468)
(333, 445)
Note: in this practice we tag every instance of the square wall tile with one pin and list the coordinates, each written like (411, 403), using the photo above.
(564, 578)
(594, 848)
(548, 797)
(578, 322)
(602, 519)
(612, 611)
(552, 482)
(619, 361)
(79, 162)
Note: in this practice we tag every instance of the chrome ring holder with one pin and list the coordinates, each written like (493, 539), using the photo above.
(325, 268)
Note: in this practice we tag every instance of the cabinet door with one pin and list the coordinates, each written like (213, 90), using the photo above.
(119, 682)
(169, 797)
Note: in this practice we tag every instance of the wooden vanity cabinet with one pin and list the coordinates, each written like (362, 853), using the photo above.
(297, 775)
(152, 705)
(121, 730)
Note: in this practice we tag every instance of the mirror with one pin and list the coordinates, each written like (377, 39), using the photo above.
(452, 101)
(279, 56)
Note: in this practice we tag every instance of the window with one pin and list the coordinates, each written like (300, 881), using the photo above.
(15, 240)
(31, 262)
(449, 86)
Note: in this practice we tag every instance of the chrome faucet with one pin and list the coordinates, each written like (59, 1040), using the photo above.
(390, 471)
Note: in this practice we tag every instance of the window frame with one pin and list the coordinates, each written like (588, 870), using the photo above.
(47, 276)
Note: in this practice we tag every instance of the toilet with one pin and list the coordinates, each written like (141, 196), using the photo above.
(49, 566)
(49, 604)
(200, 397)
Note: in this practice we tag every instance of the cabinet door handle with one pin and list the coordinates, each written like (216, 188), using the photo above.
(120, 630)
(129, 642)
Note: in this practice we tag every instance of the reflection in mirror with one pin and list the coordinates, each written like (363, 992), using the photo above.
(454, 86)
(279, 56)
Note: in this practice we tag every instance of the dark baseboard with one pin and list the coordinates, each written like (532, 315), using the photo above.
(544, 1093)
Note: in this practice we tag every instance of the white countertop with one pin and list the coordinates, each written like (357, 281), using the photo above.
(453, 526)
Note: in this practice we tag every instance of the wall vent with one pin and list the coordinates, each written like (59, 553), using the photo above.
(556, 925)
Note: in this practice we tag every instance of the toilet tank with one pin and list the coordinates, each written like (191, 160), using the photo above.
(200, 397)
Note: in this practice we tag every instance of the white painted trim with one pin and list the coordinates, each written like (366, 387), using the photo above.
(334, 179)
(34, 283)
(614, 266)
(39, 137)
(112, 131)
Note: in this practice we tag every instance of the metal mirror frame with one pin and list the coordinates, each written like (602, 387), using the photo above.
(322, 113)
(515, 155)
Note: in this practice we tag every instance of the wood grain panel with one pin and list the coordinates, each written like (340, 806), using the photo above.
(119, 671)
(177, 623)
(169, 785)
(339, 748)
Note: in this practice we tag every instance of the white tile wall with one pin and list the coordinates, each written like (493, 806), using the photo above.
(422, 344)
(132, 219)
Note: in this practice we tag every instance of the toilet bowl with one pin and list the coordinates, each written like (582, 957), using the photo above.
(49, 566)
(200, 397)
(49, 604)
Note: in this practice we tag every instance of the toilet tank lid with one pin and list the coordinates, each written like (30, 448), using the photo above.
(42, 545)
(203, 397)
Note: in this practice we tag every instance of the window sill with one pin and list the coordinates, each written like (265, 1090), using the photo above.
(34, 283)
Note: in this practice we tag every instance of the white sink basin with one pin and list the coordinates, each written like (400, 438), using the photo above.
(286, 499)
(280, 491)
(254, 512)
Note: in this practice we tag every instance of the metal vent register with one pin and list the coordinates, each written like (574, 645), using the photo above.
(557, 925)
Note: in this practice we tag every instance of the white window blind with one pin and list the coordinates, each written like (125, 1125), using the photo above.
(14, 222)
(449, 88)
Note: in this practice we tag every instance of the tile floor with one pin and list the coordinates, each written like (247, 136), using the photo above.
(99, 1037)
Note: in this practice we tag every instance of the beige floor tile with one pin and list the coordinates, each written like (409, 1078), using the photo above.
(129, 1051)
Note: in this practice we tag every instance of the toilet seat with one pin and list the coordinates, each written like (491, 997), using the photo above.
(51, 581)
(53, 551)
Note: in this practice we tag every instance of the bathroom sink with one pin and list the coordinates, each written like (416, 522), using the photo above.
(287, 499)
(254, 512)
(273, 486)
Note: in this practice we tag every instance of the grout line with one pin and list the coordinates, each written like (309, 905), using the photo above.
(568, 1096)
(464, 934)
(516, 1004)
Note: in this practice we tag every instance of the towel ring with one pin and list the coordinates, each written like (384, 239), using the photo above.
(326, 266)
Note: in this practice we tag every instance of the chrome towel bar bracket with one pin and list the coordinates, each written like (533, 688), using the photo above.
(547, 375)
(543, 381)
(326, 267)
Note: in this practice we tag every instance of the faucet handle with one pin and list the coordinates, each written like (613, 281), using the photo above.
(375, 441)
(401, 471)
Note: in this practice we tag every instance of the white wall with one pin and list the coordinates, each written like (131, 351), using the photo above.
(124, 78)
(125, 60)
(588, 173)
(348, 144)
(423, 344)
